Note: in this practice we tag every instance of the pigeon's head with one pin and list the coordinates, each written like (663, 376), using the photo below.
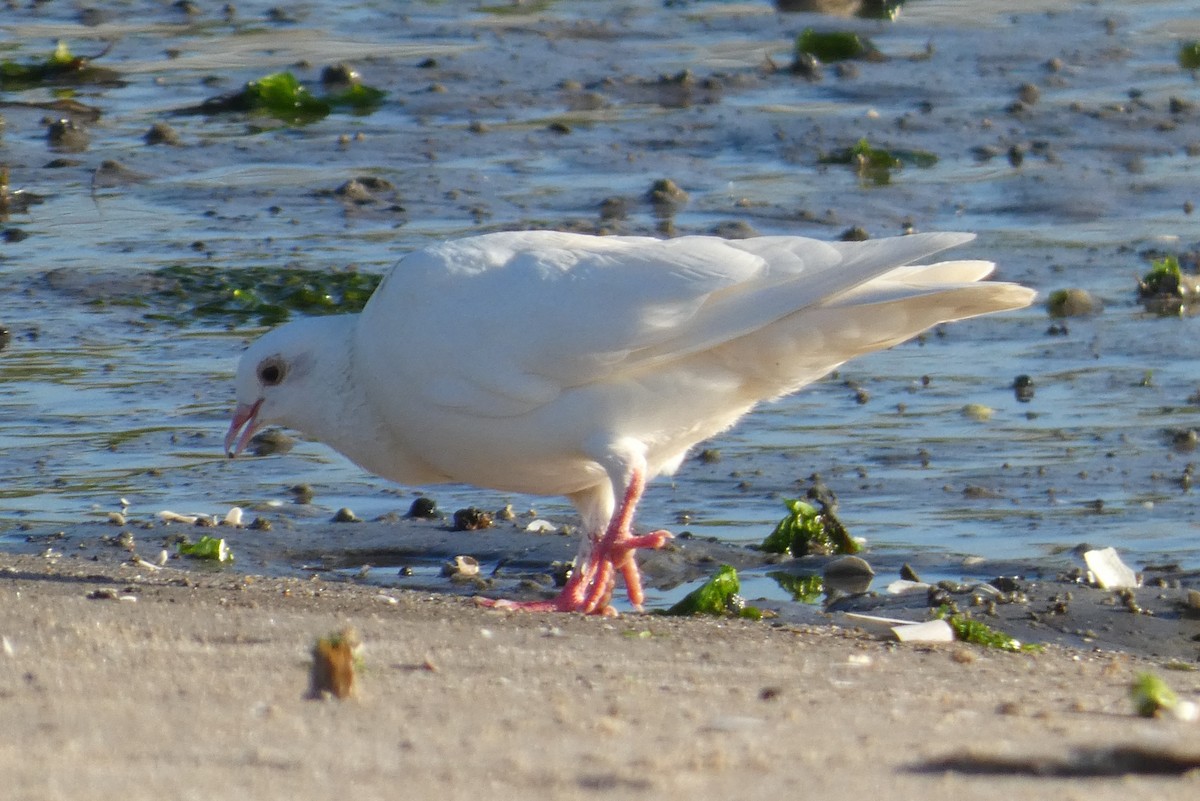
(283, 375)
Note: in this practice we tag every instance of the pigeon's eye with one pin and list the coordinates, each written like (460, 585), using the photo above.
(271, 372)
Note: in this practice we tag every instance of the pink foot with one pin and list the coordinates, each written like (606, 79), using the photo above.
(591, 585)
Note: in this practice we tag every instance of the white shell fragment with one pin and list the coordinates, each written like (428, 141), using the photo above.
(879, 626)
(1187, 711)
(168, 516)
(901, 586)
(233, 517)
(461, 567)
(929, 631)
(1108, 572)
(540, 526)
(904, 630)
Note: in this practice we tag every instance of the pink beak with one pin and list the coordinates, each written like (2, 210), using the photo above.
(246, 414)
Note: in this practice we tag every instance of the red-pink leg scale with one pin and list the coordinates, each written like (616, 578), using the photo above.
(591, 585)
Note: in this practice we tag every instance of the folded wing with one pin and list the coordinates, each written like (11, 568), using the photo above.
(500, 324)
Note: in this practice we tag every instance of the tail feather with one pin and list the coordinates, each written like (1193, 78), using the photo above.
(800, 348)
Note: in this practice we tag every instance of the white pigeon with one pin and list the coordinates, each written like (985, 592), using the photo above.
(564, 364)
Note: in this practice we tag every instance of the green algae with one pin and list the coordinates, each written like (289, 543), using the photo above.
(808, 530)
(281, 95)
(266, 295)
(717, 596)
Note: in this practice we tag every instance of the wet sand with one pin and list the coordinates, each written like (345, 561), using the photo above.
(137, 682)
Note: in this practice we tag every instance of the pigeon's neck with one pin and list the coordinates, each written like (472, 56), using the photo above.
(346, 420)
(333, 412)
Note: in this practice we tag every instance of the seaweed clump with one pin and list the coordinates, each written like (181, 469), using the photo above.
(1166, 289)
(967, 629)
(875, 165)
(282, 96)
(1189, 55)
(830, 46)
(808, 530)
(265, 295)
(718, 596)
(60, 67)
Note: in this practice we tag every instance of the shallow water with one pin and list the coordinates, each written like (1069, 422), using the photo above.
(100, 403)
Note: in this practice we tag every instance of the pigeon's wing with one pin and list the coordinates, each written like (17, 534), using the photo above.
(500, 324)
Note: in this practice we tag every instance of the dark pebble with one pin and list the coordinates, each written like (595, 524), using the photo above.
(1023, 388)
(666, 193)
(67, 135)
(162, 134)
(614, 208)
(734, 229)
(1006, 584)
(423, 508)
(339, 75)
(471, 519)
(302, 493)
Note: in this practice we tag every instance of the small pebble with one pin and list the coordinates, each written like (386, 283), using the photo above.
(1073, 302)
(423, 508)
(471, 519)
(665, 194)
(67, 135)
(162, 134)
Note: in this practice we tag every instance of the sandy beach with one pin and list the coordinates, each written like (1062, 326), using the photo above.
(137, 683)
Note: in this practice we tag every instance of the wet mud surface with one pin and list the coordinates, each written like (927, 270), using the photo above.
(1066, 134)
(1042, 602)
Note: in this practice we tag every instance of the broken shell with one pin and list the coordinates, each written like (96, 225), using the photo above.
(174, 517)
(461, 567)
(929, 631)
(901, 586)
(875, 624)
(1108, 572)
(233, 517)
(540, 526)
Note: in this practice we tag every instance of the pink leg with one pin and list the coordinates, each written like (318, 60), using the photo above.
(591, 585)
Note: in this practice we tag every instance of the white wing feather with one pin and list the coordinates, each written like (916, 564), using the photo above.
(499, 324)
